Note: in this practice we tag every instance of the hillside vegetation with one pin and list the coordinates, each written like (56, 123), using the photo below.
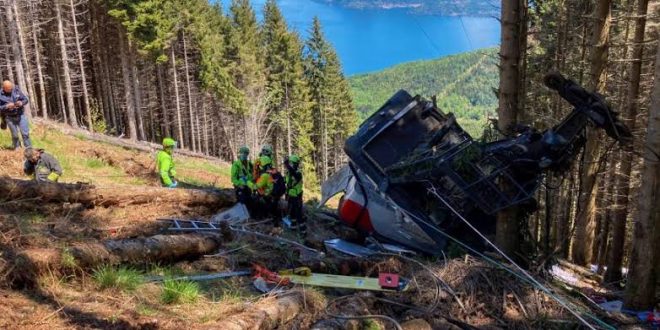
(212, 78)
(97, 163)
(464, 85)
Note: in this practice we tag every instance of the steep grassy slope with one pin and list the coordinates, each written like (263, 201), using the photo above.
(105, 164)
(463, 83)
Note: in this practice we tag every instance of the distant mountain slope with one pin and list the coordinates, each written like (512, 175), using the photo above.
(463, 83)
(427, 7)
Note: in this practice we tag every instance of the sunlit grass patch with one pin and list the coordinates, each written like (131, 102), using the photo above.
(179, 292)
(95, 163)
(68, 260)
(123, 278)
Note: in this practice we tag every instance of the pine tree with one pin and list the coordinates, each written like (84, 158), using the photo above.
(246, 65)
(332, 108)
(316, 60)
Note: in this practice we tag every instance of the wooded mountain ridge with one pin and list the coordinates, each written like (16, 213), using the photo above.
(464, 85)
(426, 7)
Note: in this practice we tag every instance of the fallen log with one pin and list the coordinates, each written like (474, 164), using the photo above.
(89, 195)
(141, 250)
(268, 313)
(585, 272)
(31, 263)
(144, 146)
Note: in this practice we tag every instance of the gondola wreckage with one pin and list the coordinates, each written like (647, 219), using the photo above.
(416, 180)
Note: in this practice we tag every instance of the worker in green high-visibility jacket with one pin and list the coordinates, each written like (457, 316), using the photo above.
(165, 164)
(294, 193)
(270, 188)
(241, 177)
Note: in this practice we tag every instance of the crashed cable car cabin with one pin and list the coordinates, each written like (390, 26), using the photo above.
(413, 172)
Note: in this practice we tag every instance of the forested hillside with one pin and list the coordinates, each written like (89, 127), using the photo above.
(428, 7)
(465, 84)
(604, 211)
(212, 79)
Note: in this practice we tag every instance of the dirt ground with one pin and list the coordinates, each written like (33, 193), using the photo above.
(472, 294)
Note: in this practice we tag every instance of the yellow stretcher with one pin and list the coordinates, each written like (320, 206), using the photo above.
(385, 282)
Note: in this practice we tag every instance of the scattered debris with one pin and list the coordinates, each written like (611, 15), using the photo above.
(349, 248)
(234, 215)
(360, 251)
(612, 306)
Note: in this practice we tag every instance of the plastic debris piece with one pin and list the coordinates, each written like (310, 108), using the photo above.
(612, 306)
(262, 286)
(562, 275)
(236, 214)
(349, 248)
(286, 221)
(392, 248)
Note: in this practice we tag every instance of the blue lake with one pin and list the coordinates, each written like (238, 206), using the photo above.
(374, 39)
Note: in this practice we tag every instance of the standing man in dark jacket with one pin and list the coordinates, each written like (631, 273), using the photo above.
(294, 194)
(12, 101)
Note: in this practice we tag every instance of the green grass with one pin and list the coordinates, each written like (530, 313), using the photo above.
(95, 163)
(79, 167)
(145, 310)
(68, 260)
(369, 324)
(179, 292)
(165, 271)
(123, 278)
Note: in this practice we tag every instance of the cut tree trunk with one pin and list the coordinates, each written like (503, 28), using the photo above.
(268, 313)
(31, 263)
(13, 189)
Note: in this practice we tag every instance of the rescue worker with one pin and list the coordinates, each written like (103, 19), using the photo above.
(270, 188)
(266, 150)
(12, 101)
(241, 176)
(294, 193)
(42, 166)
(165, 164)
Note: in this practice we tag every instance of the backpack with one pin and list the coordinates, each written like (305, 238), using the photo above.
(279, 187)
